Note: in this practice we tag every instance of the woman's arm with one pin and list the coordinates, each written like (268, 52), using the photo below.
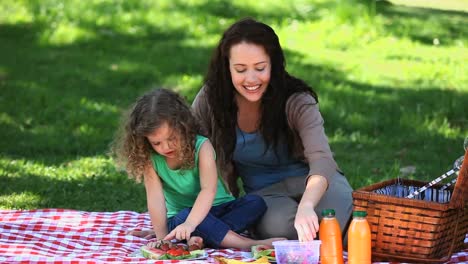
(306, 221)
(156, 203)
(201, 111)
(204, 201)
(305, 118)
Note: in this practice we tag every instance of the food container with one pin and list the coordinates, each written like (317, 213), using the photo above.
(295, 252)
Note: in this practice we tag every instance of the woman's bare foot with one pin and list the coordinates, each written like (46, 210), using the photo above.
(234, 240)
(147, 234)
(270, 241)
(195, 243)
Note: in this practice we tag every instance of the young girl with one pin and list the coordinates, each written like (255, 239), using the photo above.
(160, 143)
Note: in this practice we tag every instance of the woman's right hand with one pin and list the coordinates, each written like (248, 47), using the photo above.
(306, 222)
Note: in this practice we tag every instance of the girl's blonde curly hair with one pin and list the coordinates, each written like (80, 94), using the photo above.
(131, 148)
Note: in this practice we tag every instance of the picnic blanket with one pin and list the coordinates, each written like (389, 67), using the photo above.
(70, 236)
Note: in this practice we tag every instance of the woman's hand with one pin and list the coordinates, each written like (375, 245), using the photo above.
(181, 232)
(306, 223)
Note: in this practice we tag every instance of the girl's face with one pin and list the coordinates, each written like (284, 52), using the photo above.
(250, 69)
(164, 141)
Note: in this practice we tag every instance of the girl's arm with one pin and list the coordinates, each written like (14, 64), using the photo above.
(204, 201)
(155, 200)
(201, 110)
(208, 184)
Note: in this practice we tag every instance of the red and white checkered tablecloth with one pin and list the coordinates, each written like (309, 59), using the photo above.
(69, 236)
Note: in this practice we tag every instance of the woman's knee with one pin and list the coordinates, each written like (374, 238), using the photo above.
(338, 197)
(278, 220)
(277, 225)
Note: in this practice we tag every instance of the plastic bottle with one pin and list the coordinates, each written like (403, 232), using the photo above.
(359, 239)
(331, 249)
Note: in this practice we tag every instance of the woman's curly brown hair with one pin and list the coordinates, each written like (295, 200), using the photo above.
(131, 147)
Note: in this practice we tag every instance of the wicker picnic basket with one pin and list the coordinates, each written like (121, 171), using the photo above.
(414, 230)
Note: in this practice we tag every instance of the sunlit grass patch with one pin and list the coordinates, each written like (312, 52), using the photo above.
(21, 200)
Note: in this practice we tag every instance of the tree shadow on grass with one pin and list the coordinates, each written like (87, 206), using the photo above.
(81, 88)
(60, 102)
(382, 127)
(377, 127)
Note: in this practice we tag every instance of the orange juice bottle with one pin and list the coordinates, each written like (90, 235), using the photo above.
(359, 239)
(331, 249)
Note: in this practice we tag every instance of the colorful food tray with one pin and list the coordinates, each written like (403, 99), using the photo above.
(158, 254)
(264, 251)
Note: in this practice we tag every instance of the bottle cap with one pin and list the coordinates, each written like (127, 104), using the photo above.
(360, 213)
(328, 212)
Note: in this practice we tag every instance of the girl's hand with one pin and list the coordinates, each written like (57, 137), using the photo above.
(181, 232)
(306, 223)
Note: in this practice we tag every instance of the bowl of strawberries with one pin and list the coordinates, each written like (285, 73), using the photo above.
(260, 251)
(166, 250)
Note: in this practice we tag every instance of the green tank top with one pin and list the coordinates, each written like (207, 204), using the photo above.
(181, 186)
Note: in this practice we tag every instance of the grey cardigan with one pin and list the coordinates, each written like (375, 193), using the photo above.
(305, 120)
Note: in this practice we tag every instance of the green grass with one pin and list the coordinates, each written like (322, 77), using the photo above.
(392, 82)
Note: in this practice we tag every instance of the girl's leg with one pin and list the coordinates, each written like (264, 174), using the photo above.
(147, 233)
(195, 241)
(216, 233)
(242, 212)
(211, 229)
(238, 214)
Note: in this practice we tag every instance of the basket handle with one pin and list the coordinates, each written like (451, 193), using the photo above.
(460, 192)
(430, 184)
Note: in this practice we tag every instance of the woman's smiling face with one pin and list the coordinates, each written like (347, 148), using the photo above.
(250, 69)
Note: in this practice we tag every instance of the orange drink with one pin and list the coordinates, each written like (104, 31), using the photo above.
(331, 249)
(359, 239)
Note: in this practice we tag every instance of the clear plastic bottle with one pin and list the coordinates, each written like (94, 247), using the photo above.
(359, 239)
(331, 249)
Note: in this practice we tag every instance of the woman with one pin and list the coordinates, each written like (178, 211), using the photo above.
(266, 127)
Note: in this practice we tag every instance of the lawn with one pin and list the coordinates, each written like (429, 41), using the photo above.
(392, 84)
